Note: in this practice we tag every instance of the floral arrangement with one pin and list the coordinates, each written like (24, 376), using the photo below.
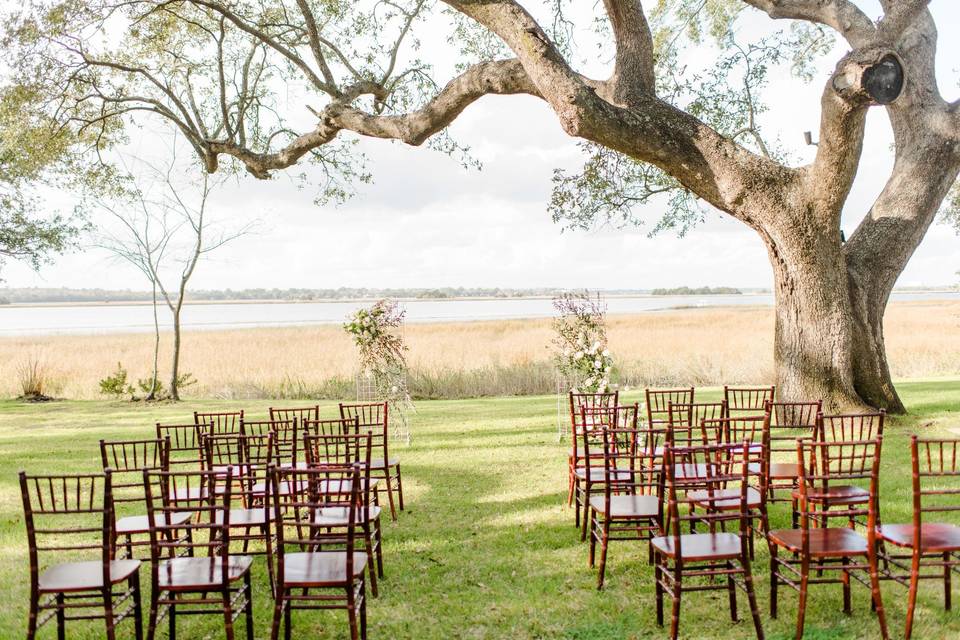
(581, 352)
(376, 332)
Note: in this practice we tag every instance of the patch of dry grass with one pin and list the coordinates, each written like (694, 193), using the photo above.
(694, 346)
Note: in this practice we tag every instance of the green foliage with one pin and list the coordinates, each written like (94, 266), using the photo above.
(115, 384)
(580, 344)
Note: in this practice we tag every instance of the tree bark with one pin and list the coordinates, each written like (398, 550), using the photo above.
(175, 365)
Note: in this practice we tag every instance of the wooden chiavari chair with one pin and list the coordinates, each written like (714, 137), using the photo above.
(374, 417)
(749, 400)
(352, 449)
(300, 414)
(721, 558)
(817, 546)
(185, 452)
(286, 438)
(658, 401)
(788, 422)
(684, 426)
(70, 520)
(127, 459)
(932, 545)
(589, 475)
(303, 561)
(847, 428)
(220, 423)
(197, 571)
(577, 402)
(631, 507)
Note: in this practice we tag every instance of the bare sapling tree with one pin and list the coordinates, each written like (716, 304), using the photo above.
(265, 86)
(162, 227)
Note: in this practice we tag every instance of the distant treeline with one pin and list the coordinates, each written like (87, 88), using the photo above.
(697, 291)
(54, 295)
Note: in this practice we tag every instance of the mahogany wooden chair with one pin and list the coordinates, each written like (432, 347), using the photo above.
(197, 572)
(577, 402)
(684, 426)
(657, 402)
(73, 573)
(827, 471)
(220, 422)
(286, 438)
(716, 560)
(312, 570)
(932, 545)
(127, 459)
(331, 426)
(186, 447)
(788, 422)
(352, 449)
(589, 474)
(295, 413)
(850, 427)
(631, 507)
(741, 400)
(373, 417)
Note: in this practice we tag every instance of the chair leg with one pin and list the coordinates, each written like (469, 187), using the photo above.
(752, 599)
(172, 618)
(363, 612)
(732, 593)
(137, 605)
(152, 619)
(227, 615)
(61, 619)
(352, 614)
(277, 614)
(570, 482)
(393, 509)
(802, 605)
(586, 512)
(378, 538)
(845, 580)
(877, 598)
(249, 608)
(912, 595)
(288, 621)
(657, 569)
(604, 542)
(593, 542)
(774, 581)
(399, 487)
(32, 616)
(368, 542)
(675, 612)
(946, 582)
(108, 617)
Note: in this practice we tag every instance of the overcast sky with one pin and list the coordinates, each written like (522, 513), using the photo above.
(426, 222)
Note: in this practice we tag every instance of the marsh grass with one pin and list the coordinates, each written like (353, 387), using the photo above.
(707, 346)
(486, 548)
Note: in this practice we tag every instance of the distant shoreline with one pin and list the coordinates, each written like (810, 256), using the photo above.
(269, 301)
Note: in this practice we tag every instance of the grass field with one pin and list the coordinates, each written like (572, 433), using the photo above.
(708, 346)
(486, 548)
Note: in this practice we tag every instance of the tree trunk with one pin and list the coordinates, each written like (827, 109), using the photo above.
(155, 379)
(175, 368)
(813, 336)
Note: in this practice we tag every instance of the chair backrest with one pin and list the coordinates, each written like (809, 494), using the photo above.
(744, 399)
(658, 403)
(594, 420)
(295, 413)
(127, 459)
(67, 516)
(684, 425)
(849, 426)
(372, 417)
(936, 479)
(220, 422)
(206, 494)
(186, 444)
(722, 479)
(789, 421)
(826, 465)
(629, 463)
(342, 450)
(247, 457)
(330, 426)
(301, 498)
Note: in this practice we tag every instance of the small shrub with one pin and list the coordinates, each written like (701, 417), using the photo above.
(34, 378)
(115, 384)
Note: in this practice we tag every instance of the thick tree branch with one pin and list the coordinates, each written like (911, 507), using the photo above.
(843, 16)
(633, 69)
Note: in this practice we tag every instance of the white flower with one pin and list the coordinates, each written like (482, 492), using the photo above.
(597, 363)
(394, 389)
(588, 382)
(578, 355)
(596, 346)
(606, 353)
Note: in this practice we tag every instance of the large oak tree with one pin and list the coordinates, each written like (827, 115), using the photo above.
(226, 72)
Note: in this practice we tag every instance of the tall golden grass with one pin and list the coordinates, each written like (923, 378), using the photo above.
(690, 346)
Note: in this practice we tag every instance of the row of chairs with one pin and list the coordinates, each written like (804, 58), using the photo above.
(299, 489)
(655, 480)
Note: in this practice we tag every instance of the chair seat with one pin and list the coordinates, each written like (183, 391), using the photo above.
(287, 486)
(84, 576)
(130, 525)
(724, 499)
(384, 464)
(247, 517)
(700, 546)
(778, 470)
(687, 471)
(322, 568)
(191, 574)
(627, 507)
(339, 516)
(600, 475)
(826, 543)
(934, 536)
(840, 494)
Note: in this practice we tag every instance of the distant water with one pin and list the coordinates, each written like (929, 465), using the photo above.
(128, 318)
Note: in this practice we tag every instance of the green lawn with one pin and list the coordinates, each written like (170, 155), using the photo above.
(486, 547)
